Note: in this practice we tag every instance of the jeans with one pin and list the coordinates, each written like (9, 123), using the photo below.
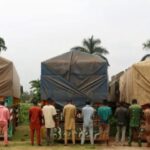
(122, 130)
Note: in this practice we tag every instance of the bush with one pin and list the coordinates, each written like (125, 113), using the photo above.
(24, 113)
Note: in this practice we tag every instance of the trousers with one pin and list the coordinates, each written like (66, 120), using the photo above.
(121, 130)
(36, 128)
(66, 136)
(4, 130)
(90, 129)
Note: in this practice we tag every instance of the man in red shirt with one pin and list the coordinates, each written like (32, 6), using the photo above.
(4, 120)
(35, 118)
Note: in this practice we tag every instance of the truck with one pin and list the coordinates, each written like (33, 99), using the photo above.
(10, 92)
(78, 76)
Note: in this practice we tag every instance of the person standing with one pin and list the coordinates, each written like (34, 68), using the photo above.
(147, 124)
(104, 112)
(49, 113)
(35, 119)
(135, 114)
(4, 121)
(87, 114)
(69, 113)
(121, 115)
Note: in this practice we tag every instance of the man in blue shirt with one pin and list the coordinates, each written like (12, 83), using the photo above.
(87, 114)
(104, 112)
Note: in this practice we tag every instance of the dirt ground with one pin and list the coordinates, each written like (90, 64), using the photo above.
(26, 146)
(20, 141)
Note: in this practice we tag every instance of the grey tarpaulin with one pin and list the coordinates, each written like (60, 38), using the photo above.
(74, 75)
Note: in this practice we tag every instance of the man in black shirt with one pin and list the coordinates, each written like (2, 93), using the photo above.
(121, 115)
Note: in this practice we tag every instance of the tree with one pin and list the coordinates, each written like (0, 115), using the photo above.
(2, 45)
(26, 96)
(91, 46)
(146, 45)
(35, 87)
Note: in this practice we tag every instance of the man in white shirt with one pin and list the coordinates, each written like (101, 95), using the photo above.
(87, 114)
(49, 113)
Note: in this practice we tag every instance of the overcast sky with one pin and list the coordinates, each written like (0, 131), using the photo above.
(35, 30)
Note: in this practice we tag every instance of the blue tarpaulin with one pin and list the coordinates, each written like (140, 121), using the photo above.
(74, 75)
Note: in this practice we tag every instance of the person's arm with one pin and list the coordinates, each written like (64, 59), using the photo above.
(40, 116)
(8, 117)
(75, 111)
(54, 116)
(115, 114)
(64, 111)
(29, 115)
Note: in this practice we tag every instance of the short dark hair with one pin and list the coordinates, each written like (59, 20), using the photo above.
(105, 102)
(2, 102)
(69, 101)
(49, 98)
(134, 101)
(88, 102)
(34, 101)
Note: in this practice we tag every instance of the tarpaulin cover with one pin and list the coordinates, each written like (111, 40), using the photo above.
(74, 75)
(135, 83)
(9, 79)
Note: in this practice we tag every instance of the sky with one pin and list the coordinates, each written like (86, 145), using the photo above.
(36, 30)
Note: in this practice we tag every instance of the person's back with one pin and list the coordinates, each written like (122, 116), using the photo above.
(104, 112)
(35, 113)
(87, 113)
(4, 120)
(121, 115)
(48, 112)
(69, 114)
(4, 114)
(147, 124)
(135, 112)
(35, 118)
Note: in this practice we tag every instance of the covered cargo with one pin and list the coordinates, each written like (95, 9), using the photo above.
(74, 75)
(135, 83)
(9, 79)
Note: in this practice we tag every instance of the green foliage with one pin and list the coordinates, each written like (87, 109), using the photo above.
(2, 45)
(91, 46)
(35, 87)
(24, 113)
(26, 96)
(146, 45)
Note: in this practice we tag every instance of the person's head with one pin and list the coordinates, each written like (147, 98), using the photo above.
(34, 101)
(69, 101)
(88, 102)
(105, 102)
(121, 104)
(134, 101)
(50, 101)
(2, 102)
(148, 106)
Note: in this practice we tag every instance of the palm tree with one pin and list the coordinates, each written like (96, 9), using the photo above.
(91, 46)
(146, 45)
(35, 86)
(2, 45)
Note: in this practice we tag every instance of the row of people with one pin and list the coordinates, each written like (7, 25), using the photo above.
(133, 115)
